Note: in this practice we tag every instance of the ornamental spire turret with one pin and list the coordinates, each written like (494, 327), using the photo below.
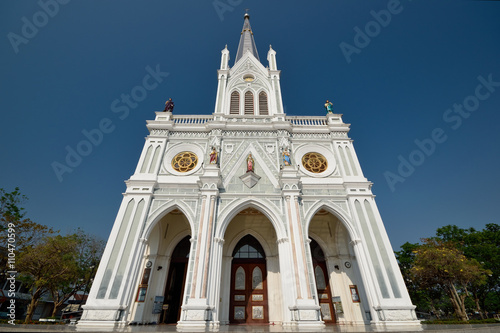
(247, 43)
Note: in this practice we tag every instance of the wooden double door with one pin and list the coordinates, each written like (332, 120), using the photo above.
(174, 290)
(324, 293)
(248, 303)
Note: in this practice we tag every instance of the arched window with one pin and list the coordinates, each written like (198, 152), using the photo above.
(234, 108)
(248, 248)
(249, 103)
(263, 108)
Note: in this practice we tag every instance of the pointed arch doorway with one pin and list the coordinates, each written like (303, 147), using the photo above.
(174, 288)
(248, 297)
(322, 283)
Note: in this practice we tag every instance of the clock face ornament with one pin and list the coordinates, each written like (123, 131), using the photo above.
(347, 264)
(149, 264)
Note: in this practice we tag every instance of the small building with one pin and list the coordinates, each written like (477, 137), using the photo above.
(248, 216)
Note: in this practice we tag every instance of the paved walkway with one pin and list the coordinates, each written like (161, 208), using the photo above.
(488, 328)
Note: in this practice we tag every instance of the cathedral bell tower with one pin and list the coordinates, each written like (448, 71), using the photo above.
(248, 88)
(248, 216)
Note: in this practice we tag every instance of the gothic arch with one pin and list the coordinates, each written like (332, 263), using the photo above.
(335, 211)
(236, 206)
(322, 244)
(159, 213)
(240, 235)
(175, 241)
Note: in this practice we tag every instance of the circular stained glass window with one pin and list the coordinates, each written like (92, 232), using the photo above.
(314, 162)
(185, 161)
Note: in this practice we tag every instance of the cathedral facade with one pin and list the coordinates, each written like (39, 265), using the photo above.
(248, 216)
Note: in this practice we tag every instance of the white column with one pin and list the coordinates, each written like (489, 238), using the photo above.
(366, 277)
(197, 310)
(215, 279)
(306, 311)
(287, 274)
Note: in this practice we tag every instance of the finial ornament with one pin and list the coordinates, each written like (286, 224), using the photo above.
(329, 106)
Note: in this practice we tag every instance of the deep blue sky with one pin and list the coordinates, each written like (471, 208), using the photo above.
(395, 90)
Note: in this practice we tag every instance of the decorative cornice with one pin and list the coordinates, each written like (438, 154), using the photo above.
(185, 134)
(159, 132)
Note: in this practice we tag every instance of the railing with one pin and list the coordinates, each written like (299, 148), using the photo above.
(203, 119)
(307, 121)
(192, 119)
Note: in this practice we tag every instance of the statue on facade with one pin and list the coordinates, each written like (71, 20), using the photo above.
(169, 105)
(286, 157)
(329, 106)
(250, 163)
(213, 156)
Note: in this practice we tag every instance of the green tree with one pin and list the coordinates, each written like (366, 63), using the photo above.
(88, 249)
(406, 259)
(483, 246)
(17, 232)
(12, 215)
(425, 299)
(441, 265)
(52, 262)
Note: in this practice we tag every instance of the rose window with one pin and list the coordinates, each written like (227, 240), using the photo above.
(185, 161)
(314, 162)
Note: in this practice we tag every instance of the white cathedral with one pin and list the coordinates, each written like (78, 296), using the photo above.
(248, 216)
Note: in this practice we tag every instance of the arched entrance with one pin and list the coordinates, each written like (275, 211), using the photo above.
(175, 282)
(334, 260)
(248, 296)
(322, 283)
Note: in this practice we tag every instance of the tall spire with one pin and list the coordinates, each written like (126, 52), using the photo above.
(246, 41)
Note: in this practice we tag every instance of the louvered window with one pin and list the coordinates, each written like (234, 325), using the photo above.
(263, 109)
(249, 103)
(235, 103)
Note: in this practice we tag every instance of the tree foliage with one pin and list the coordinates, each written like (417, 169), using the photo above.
(440, 264)
(27, 232)
(46, 261)
(479, 250)
(88, 251)
(46, 265)
(483, 246)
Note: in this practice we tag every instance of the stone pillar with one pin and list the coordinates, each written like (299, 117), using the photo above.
(366, 277)
(287, 274)
(198, 310)
(215, 278)
(305, 311)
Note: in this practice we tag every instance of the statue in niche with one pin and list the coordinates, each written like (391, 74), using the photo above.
(329, 106)
(213, 156)
(250, 163)
(169, 105)
(286, 157)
